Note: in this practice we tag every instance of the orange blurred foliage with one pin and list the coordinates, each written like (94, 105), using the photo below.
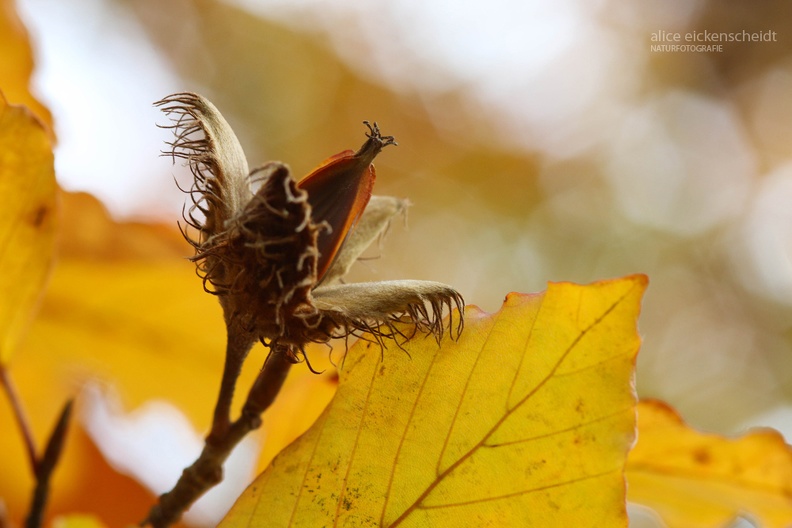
(697, 480)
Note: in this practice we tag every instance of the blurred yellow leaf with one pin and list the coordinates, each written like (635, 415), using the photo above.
(16, 65)
(125, 308)
(696, 480)
(77, 521)
(27, 219)
(525, 421)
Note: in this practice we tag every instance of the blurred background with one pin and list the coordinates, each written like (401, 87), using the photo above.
(538, 141)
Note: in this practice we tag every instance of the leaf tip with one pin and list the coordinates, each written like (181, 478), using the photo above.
(640, 279)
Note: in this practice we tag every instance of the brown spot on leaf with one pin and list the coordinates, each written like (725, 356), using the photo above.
(702, 456)
(39, 215)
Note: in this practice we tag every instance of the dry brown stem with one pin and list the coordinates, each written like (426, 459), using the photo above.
(207, 470)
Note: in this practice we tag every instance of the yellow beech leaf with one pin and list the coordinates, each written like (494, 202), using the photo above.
(696, 480)
(16, 65)
(27, 219)
(524, 421)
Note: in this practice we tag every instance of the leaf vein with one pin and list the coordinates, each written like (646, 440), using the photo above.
(446, 440)
(358, 433)
(595, 365)
(559, 431)
(522, 358)
(308, 467)
(403, 436)
(518, 493)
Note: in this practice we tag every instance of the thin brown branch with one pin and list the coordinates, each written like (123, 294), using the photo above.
(269, 381)
(21, 418)
(42, 468)
(46, 465)
(207, 470)
(239, 344)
